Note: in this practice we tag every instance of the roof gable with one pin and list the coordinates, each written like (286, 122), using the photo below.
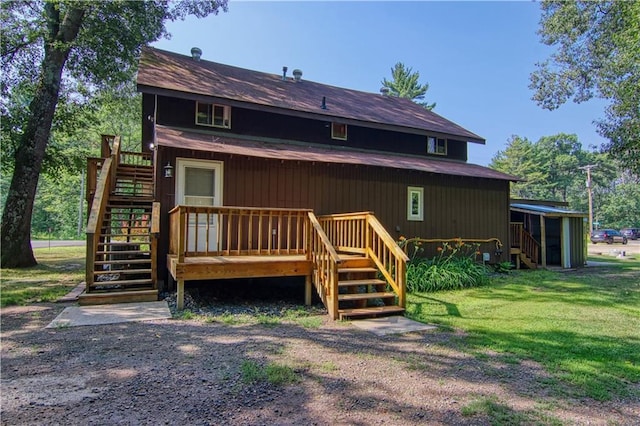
(169, 71)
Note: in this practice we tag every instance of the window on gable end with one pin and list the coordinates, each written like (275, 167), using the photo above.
(213, 115)
(437, 146)
(339, 131)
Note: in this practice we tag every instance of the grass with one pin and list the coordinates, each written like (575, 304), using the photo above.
(501, 414)
(59, 270)
(275, 374)
(582, 326)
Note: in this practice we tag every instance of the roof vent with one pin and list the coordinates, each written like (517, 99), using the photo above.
(297, 74)
(384, 91)
(196, 53)
(324, 103)
(284, 73)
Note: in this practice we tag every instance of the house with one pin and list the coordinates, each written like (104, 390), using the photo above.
(547, 233)
(254, 174)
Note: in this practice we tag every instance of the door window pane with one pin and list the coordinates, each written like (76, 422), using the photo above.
(199, 188)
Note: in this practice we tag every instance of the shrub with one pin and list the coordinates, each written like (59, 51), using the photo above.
(454, 267)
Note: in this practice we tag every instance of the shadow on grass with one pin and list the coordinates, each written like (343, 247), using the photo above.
(598, 364)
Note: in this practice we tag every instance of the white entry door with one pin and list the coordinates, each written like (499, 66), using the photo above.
(199, 183)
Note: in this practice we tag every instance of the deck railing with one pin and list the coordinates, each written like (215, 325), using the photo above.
(515, 234)
(363, 233)
(136, 158)
(325, 265)
(237, 231)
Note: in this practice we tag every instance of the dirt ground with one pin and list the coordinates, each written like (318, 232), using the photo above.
(188, 372)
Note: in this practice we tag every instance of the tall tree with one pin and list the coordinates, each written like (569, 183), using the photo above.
(405, 84)
(551, 169)
(598, 55)
(520, 159)
(77, 44)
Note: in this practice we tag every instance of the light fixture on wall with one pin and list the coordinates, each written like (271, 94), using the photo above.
(168, 170)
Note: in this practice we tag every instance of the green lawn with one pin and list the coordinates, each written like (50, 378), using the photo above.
(582, 326)
(59, 270)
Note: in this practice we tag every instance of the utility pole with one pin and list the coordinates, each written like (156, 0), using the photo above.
(588, 169)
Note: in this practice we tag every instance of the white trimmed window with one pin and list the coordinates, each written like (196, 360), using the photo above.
(437, 146)
(213, 115)
(339, 131)
(415, 203)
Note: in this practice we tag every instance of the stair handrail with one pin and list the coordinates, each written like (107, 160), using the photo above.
(98, 207)
(104, 186)
(153, 245)
(529, 246)
(388, 257)
(115, 159)
(325, 261)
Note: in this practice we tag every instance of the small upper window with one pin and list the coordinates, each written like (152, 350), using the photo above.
(339, 131)
(436, 146)
(213, 115)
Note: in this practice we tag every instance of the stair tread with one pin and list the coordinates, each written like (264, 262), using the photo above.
(124, 252)
(121, 261)
(123, 271)
(121, 282)
(365, 269)
(365, 296)
(94, 297)
(374, 310)
(372, 281)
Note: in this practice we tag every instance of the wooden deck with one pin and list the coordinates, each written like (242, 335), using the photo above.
(229, 267)
(213, 243)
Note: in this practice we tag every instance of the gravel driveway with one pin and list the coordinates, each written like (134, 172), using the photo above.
(187, 372)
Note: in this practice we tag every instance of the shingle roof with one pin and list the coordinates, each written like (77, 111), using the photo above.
(178, 138)
(160, 69)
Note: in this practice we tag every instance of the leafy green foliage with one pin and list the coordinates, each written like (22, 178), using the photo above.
(454, 267)
(598, 55)
(552, 170)
(405, 85)
(60, 53)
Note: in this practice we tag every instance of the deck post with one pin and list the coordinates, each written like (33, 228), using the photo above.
(180, 295)
(307, 290)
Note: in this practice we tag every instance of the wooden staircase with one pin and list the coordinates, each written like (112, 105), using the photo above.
(523, 246)
(359, 270)
(120, 239)
(361, 293)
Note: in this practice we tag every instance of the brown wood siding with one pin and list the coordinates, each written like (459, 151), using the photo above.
(454, 206)
(177, 112)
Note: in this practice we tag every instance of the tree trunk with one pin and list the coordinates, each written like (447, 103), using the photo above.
(16, 217)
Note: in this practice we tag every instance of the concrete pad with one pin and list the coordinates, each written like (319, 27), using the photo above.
(111, 314)
(391, 325)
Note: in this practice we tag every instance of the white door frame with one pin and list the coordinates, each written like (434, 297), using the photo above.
(202, 226)
(182, 163)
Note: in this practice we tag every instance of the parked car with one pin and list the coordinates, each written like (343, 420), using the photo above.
(631, 233)
(608, 236)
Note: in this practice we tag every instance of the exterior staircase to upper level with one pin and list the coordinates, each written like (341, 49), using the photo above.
(121, 250)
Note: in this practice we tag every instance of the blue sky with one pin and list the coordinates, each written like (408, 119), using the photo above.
(476, 57)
